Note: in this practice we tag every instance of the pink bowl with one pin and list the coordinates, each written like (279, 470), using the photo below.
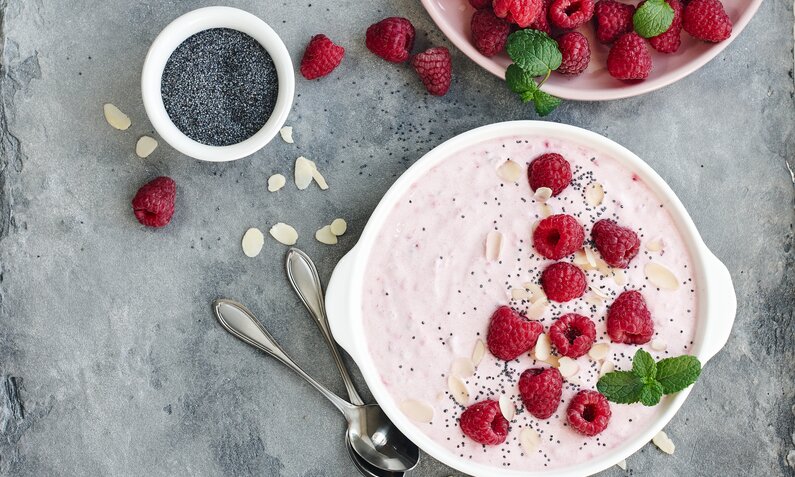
(595, 84)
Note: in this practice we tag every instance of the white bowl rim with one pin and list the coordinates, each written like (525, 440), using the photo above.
(716, 301)
(181, 29)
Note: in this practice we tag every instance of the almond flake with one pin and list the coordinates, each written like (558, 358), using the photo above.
(590, 257)
(607, 367)
(115, 117)
(598, 291)
(521, 294)
(581, 260)
(507, 407)
(575, 380)
(462, 367)
(284, 234)
(660, 276)
(145, 146)
(536, 310)
(654, 245)
(509, 171)
(593, 299)
(321, 181)
(599, 351)
(568, 367)
(543, 347)
(493, 245)
(594, 194)
(417, 411)
(665, 444)
(553, 361)
(458, 389)
(620, 277)
(529, 439)
(304, 168)
(325, 236)
(287, 134)
(478, 352)
(276, 182)
(252, 242)
(658, 345)
(545, 211)
(536, 291)
(338, 227)
(623, 464)
(603, 267)
(542, 194)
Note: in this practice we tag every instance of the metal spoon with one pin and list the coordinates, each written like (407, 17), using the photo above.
(303, 276)
(371, 434)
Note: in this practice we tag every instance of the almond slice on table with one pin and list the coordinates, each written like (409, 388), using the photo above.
(529, 439)
(276, 182)
(568, 367)
(509, 171)
(115, 117)
(660, 276)
(599, 351)
(145, 146)
(594, 194)
(321, 181)
(622, 465)
(458, 389)
(325, 236)
(338, 227)
(658, 345)
(478, 352)
(287, 134)
(507, 407)
(462, 367)
(417, 411)
(663, 442)
(493, 245)
(284, 234)
(543, 347)
(542, 194)
(252, 242)
(304, 169)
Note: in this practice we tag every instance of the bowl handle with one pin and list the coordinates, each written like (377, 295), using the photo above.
(722, 306)
(338, 302)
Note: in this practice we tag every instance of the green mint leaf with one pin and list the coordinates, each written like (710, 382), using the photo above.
(653, 18)
(544, 102)
(651, 393)
(643, 365)
(534, 51)
(623, 387)
(519, 81)
(675, 374)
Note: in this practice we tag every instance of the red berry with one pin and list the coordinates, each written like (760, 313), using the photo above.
(320, 57)
(153, 204)
(558, 236)
(628, 319)
(521, 12)
(549, 170)
(576, 53)
(489, 32)
(435, 68)
(629, 59)
(588, 412)
(570, 14)
(707, 20)
(392, 39)
(563, 282)
(511, 334)
(618, 245)
(572, 335)
(484, 423)
(541, 390)
(542, 20)
(613, 19)
(669, 41)
(480, 4)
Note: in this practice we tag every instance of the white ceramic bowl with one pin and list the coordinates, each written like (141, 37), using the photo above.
(716, 300)
(180, 30)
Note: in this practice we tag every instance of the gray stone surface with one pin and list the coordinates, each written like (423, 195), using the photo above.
(111, 362)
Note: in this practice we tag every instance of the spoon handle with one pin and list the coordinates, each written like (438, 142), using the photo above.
(303, 276)
(240, 322)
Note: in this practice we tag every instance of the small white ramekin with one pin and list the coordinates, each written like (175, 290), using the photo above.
(180, 30)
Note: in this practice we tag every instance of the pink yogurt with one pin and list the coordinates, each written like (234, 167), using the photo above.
(429, 293)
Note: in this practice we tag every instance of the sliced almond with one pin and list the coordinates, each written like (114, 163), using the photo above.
(658, 345)
(553, 361)
(654, 245)
(325, 236)
(507, 407)
(509, 171)
(145, 146)
(660, 276)
(417, 411)
(304, 168)
(568, 367)
(537, 309)
(115, 117)
(544, 210)
(521, 294)
(598, 292)
(321, 181)
(575, 380)
(287, 134)
(493, 245)
(478, 352)
(252, 242)
(542, 194)
(581, 260)
(536, 292)
(543, 347)
(664, 443)
(594, 194)
(339, 227)
(593, 299)
(599, 351)
(603, 267)
(529, 439)
(458, 389)
(462, 367)
(590, 257)
(607, 367)
(284, 234)
(620, 277)
(622, 465)
(276, 182)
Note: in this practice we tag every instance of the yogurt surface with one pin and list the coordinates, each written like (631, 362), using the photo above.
(429, 292)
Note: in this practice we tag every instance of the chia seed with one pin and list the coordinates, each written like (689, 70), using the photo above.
(219, 87)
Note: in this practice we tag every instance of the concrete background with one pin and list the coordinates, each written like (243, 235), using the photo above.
(111, 362)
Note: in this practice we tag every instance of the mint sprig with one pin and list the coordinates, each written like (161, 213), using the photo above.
(653, 18)
(534, 54)
(649, 380)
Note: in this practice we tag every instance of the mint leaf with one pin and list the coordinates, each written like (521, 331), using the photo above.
(623, 387)
(653, 18)
(519, 81)
(544, 102)
(651, 393)
(675, 374)
(534, 51)
(643, 365)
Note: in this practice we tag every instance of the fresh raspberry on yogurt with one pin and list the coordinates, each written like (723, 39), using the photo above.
(618, 245)
(511, 334)
(563, 282)
(541, 390)
(629, 320)
(572, 334)
(558, 236)
(589, 413)
(549, 170)
(484, 423)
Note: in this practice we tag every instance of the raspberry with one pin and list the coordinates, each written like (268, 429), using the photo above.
(572, 335)
(542, 21)
(489, 32)
(153, 204)
(521, 12)
(669, 41)
(618, 245)
(484, 423)
(628, 319)
(321, 57)
(435, 68)
(576, 53)
(707, 20)
(540, 390)
(570, 14)
(613, 19)
(511, 334)
(558, 236)
(392, 39)
(549, 170)
(588, 412)
(629, 59)
(563, 282)
(480, 4)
